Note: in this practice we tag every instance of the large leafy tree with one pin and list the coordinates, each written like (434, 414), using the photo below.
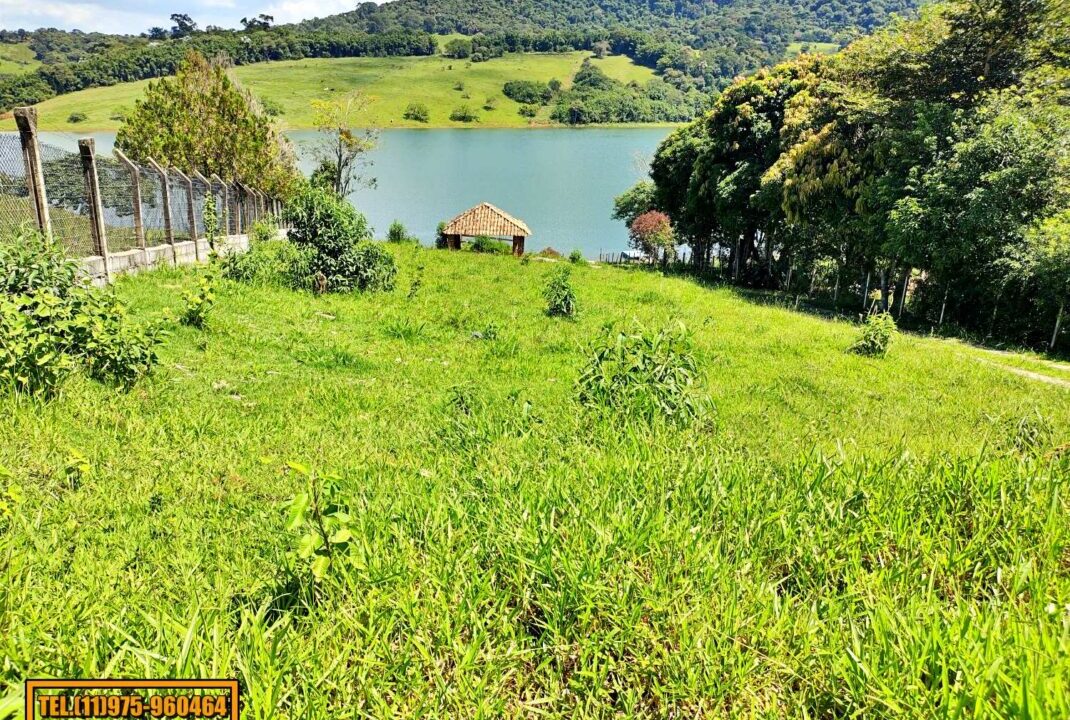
(200, 119)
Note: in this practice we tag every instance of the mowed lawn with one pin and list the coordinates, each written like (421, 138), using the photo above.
(845, 537)
(390, 83)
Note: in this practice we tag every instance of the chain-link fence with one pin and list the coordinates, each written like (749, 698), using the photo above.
(68, 201)
(16, 205)
(117, 199)
(180, 208)
(140, 205)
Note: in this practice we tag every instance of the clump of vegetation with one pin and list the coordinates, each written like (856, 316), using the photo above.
(651, 233)
(643, 374)
(490, 246)
(549, 253)
(440, 236)
(51, 323)
(199, 303)
(76, 117)
(335, 240)
(576, 257)
(322, 523)
(528, 92)
(267, 262)
(528, 111)
(417, 112)
(399, 234)
(465, 114)
(878, 331)
(559, 294)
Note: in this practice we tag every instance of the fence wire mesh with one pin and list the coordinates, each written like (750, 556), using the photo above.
(201, 191)
(153, 220)
(68, 201)
(234, 209)
(117, 199)
(179, 208)
(16, 206)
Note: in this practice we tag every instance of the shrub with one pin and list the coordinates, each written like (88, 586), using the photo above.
(559, 294)
(490, 246)
(464, 114)
(529, 111)
(199, 303)
(549, 252)
(878, 330)
(51, 323)
(528, 92)
(266, 262)
(76, 117)
(398, 234)
(262, 231)
(644, 375)
(491, 103)
(575, 257)
(651, 233)
(417, 112)
(333, 236)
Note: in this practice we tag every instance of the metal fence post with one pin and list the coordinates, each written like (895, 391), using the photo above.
(135, 187)
(87, 151)
(26, 119)
(191, 213)
(169, 232)
(240, 200)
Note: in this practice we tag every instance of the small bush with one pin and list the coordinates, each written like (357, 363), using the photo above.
(262, 231)
(559, 294)
(646, 375)
(199, 303)
(76, 117)
(490, 246)
(878, 330)
(440, 237)
(266, 262)
(528, 111)
(575, 257)
(51, 324)
(417, 112)
(464, 114)
(491, 104)
(398, 234)
(333, 236)
(549, 253)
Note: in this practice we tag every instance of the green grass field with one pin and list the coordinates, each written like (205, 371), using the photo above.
(16, 58)
(391, 84)
(817, 48)
(848, 537)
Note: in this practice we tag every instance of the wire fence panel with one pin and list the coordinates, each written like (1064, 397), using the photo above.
(233, 209)
(16, 205)
(153, 220)
(201, 191)
(117, 199)
(68, 201)
(179, 208)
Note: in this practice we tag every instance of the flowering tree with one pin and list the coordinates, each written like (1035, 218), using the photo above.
(651, 233)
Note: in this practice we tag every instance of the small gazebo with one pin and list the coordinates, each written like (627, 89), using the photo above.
(485, 219)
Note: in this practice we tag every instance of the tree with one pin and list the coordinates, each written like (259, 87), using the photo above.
(157, 33)
(651, 233)
(417, 112)
(201, 120)
(343, 152)
(183, 25)
(260, 22)
(458, 48)
(633, 202)
(600, 49)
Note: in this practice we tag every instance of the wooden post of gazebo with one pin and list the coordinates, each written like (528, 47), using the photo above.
(485, 219)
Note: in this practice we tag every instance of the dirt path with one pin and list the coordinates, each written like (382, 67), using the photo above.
(1039, 377)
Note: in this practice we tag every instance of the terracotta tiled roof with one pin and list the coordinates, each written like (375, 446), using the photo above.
(485, 219)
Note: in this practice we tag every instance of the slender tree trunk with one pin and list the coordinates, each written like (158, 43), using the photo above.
(884, 290)
(787, 285)
(813, 280)
(903, 295)
(943, 307)
(1058, 322)
(865, 291)
(836, 292)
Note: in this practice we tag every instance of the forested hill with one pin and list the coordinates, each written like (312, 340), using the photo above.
(709, 41)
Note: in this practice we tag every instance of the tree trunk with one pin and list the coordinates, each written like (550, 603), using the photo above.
(884, 290)
(1058, 322)
(865, 291)
(903, 295)
(836, 292)
(943, 306)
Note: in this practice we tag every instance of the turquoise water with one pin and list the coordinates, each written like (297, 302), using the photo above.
(561, 182)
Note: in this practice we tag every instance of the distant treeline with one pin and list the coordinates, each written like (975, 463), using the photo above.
(129, 59)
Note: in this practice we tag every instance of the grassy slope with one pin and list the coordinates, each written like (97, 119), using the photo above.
(392, 83)
(523, 557)
(822, 48)
(16, 58)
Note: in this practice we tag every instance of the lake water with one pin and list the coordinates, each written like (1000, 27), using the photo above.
(561, 182)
